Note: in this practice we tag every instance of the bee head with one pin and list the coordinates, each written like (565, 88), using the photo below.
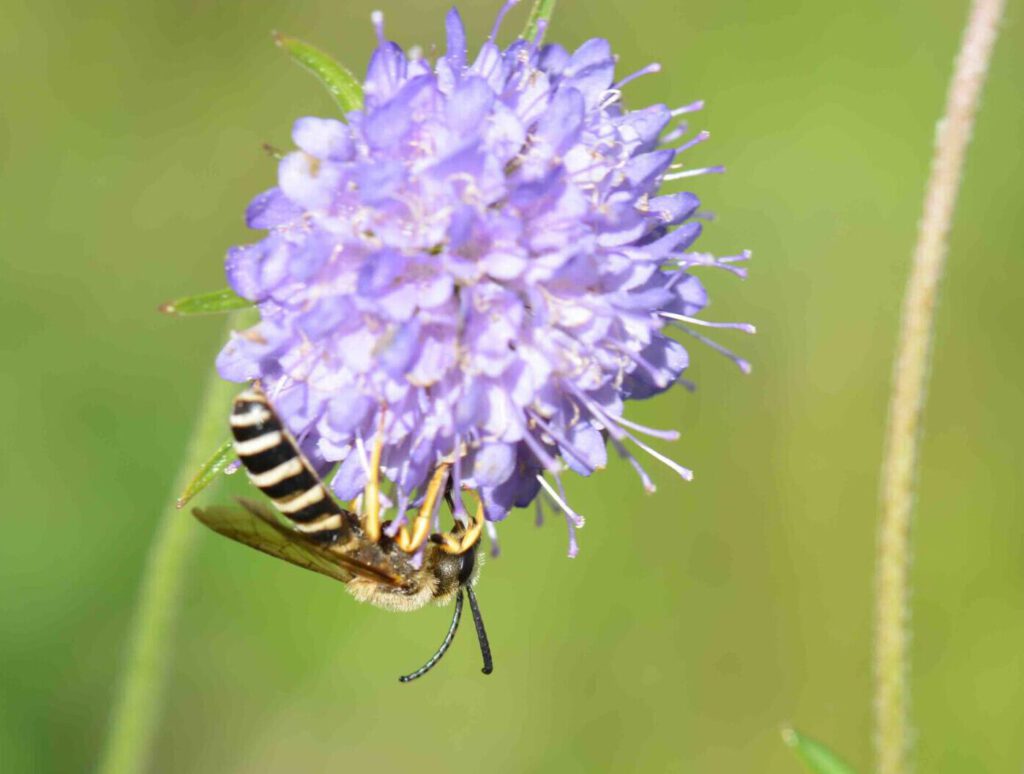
(452, 571)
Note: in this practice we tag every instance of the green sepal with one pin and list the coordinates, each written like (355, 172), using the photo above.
(225, 300)
(542, 10)
(335, 77)
(817, 756)
(208, 471)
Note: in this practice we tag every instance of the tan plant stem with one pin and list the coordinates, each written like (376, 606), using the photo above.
(133, 721)
(892, 725)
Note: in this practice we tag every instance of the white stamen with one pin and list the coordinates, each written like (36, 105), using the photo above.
(742, 364)
(697, 140)
(691, 108)
(618, 432)
(706, 259)
(685, 473)
(653, 67)
(717, 170)
(570, 525)
(578, 520)
(377, 20)
(574, 546)
(665, 435)
(745, 327)
(744, 256)
(501, 17)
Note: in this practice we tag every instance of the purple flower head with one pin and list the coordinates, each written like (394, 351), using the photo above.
(477, 267)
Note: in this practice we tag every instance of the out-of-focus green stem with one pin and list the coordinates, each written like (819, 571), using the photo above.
(133, 720)
(892, 725)
(541, 13)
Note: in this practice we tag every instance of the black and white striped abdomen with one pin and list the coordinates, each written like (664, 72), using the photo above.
(277, 466)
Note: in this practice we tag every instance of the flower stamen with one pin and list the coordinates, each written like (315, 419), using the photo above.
(742, 364)
(509, 4)
(693, 107)
(653, 67)
(715, 170)
(745, 327)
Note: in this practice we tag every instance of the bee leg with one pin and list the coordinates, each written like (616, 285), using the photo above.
(421, 524)
(460, 544)
(371, 494)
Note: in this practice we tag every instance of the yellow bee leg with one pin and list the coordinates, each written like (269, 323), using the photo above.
(460, 544)
(421, 524)
(371, 494)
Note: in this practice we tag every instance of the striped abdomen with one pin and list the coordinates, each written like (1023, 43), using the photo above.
(276, 466)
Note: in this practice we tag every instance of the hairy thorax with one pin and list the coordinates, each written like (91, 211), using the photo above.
(437, 579)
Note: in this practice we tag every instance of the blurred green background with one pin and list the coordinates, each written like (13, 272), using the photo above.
(695, 621)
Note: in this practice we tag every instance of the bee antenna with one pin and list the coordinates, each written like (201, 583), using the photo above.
(446, 643)
(481, 633)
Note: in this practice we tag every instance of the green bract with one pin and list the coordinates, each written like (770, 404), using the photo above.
(219, 460)
(214, 302)
(818, 758)
(337, 78)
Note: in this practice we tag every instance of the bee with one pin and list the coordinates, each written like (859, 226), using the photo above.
(377, 565)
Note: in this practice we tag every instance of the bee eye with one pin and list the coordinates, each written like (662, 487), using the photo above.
(468, 563)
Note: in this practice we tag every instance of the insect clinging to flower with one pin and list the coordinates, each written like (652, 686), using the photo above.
(318, 534)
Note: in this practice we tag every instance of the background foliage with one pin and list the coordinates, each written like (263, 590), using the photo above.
(695, 621)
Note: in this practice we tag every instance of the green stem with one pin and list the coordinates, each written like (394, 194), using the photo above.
(910, 377)
(542, 11)
(134, 718)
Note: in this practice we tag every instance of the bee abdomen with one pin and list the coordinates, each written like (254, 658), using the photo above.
(277, 467)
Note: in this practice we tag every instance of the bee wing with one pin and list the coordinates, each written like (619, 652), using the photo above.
(258, 527)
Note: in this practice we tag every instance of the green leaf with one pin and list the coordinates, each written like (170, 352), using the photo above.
(224, 300)
(818, 758)
(542, 10)
(337, 78)
(207, 472)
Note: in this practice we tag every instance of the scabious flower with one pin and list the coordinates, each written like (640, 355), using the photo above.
(476, 267)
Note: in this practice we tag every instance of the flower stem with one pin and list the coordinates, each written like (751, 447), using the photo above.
(541, 12)
(908, 390)
(134, 718)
